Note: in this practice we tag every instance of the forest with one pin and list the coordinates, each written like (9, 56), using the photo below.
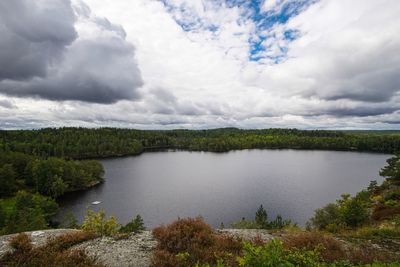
(83, 143)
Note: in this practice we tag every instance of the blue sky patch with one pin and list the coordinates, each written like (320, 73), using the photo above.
(264, 20)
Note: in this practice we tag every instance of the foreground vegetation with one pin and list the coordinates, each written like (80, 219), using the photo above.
(56, 252)
(191, 242)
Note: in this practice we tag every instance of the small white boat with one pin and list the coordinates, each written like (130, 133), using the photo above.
(96, 202)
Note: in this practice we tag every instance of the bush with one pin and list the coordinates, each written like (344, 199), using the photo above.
(99, 224)
(245, 224)
(261, 222)
(56, 252)
(70, 221)
(353, 212)
(187, 242)
(381, 212)
(325, 216)
(331, 249)
(274, 254)
(347, 211)
(134, 226)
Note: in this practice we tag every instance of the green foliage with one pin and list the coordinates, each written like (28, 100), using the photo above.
(30, 212)
(8, 184)
(134, 226)
(261, 222)
(245, 224)
(261, 217)
(353, 211)
(2, 217)
(69, 221)
(273, 254)
(325, 216)
(392, 169)
(347, 211)
(99, 224)
(80, 143)
(54, 176)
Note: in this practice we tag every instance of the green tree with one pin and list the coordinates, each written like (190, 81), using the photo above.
(2, 217)
(325, 216)
(392, 170)
(48, 176)
(31, 212)
(261, 217)
(136, 225)
(100, 224)
(8, 184)
(353, 212)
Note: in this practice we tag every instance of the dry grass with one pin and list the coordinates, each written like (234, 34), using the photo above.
(55, 253)
(186, 242)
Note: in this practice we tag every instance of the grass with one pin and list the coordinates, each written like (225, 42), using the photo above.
(56, 252)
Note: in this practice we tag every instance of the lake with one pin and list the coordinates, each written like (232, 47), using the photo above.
(224, 187)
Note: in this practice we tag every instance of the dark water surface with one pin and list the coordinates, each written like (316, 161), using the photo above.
(161, 186)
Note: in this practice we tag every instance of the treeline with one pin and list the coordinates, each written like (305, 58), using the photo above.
(48, 176)
(81, 143)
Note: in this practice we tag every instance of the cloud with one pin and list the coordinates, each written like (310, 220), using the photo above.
(58, 53)
(7, 104)
(251, 64)
(34, 34)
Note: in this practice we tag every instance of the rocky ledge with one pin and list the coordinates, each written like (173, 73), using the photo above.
(135, 250)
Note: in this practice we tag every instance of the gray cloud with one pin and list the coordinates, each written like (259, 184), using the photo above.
(7, 104)
(33, 35)
(42, 55)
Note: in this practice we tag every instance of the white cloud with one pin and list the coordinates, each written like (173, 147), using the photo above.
(340, 72)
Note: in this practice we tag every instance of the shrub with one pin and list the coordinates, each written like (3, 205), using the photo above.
(261, 222)
(391, 203)
(325, 216)
(332, 249)
(68, 240)
(274, 254)
(353, 211)
(187, 242)
(136, 225)
(99, 224)
(381, 212)
(56, 252)
(245, 224)
(70, 221)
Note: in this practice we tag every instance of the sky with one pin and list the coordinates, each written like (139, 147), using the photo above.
(196, 64)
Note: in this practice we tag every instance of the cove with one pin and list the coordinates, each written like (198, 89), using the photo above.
(224, 187)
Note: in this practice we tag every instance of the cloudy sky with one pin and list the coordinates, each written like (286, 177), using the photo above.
(162, 64)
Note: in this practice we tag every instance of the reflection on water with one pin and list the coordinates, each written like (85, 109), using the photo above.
(224, 187)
